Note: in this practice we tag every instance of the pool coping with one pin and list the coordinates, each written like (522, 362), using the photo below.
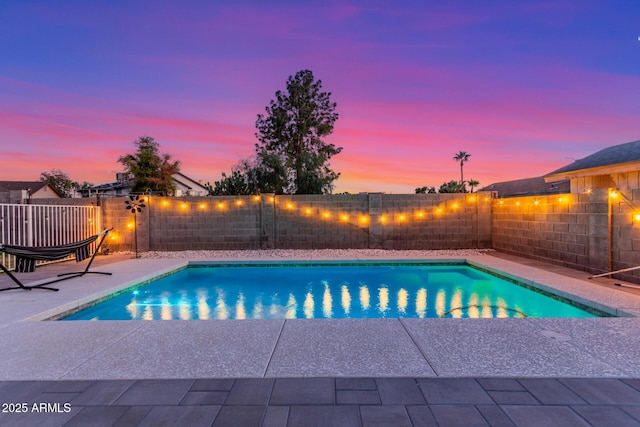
(37, 350)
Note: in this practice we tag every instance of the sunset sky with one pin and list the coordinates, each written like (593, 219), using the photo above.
(525, 87)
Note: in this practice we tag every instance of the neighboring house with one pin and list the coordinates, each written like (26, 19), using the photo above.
(184, 186)
(121, 187)
(613, 167)
(21, 191)
(527, 187)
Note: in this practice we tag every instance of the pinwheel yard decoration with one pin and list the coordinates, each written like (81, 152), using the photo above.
(135, 205)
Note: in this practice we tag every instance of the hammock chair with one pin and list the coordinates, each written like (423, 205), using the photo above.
(26, 257)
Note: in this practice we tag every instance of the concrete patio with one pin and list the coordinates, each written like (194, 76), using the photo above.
(353, 360)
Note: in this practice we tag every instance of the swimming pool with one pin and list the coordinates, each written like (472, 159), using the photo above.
(329, 290)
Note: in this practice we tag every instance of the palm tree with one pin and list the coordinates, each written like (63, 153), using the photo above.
(461, 157)
(473, 183)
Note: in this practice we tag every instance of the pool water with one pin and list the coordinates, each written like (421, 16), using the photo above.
(310, 291)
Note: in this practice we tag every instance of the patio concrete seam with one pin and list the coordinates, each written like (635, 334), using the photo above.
(273, 350)
(101, 350)
(413, 340)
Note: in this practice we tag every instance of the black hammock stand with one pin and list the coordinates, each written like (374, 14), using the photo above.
(26, 257)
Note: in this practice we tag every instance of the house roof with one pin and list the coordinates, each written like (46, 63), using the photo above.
(188, 182)
(111, 186)
(178, 177)
(32, 186)
(613, 159)
(528, 187)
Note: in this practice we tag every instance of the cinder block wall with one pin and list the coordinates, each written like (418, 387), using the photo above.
(431, 221)
(551, 228)
(588, 231)
(435, 221)
(186, 223)
(626, 232)
(321, 221)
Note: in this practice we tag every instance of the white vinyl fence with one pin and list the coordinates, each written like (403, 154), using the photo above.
(45, 225)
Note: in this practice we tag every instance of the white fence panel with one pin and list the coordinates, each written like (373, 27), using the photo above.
(45, 225)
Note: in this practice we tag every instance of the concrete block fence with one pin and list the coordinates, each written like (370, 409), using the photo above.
(596, 231)
(591, 231)
(372, 220)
